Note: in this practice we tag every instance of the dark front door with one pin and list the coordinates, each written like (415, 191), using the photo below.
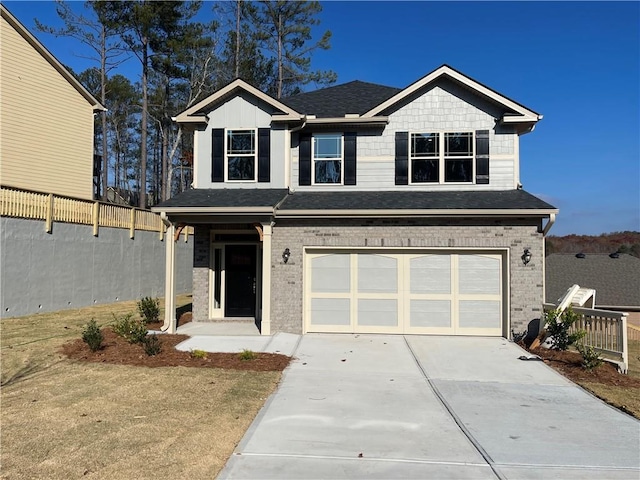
(240, 268)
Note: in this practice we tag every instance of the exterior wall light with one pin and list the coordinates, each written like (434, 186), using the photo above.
(286, 254)
(526, 256)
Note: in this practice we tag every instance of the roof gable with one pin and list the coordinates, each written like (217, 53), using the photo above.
(197, 113)
(48, 56)
(516, 113)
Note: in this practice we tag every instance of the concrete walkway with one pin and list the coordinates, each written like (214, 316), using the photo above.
(388, 406)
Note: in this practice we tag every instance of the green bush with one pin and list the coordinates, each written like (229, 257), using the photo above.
(133, 330)
(151, 344)
(92, 336)
(247, 355)
(590, 358)
(198, 354)
(149, 309)
(558, 326)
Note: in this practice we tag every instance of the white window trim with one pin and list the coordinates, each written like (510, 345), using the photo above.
(313, 158)
(226, 155)
(441, 158)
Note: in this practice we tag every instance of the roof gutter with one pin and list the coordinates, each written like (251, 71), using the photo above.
(390, 213)
(547, 227)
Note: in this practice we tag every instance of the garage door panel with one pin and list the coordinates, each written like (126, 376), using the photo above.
(330, 311)
(378, 313)
(377, 274)
(331, 274)
(479, 274)
(430, 274)
(430, 314)
(480, 314)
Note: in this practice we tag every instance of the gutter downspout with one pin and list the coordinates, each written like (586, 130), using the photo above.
(547, 227)
(169, 325)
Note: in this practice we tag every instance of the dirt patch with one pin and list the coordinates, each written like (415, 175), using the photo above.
(116, 350)
(569, 364)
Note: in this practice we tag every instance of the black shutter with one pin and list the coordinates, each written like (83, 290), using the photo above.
(217, 155)
(304, 160)
(482, 157)
(402, 158)
(350, 153)
(264, 155)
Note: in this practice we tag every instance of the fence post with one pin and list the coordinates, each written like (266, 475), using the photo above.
(49, 222)
(625, 345)
(96, 218)
(132, 227)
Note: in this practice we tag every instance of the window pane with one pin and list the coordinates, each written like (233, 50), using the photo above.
(458, 170)
(327, 146)
(241, 168)
(458, 144)
(240, 142)
(423, 170)
(424, 145)
(328, 171)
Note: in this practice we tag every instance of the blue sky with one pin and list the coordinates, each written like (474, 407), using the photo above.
(576, 63)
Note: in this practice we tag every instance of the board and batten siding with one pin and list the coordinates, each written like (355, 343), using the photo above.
(241, 111)
(46, 125)
(443, 107)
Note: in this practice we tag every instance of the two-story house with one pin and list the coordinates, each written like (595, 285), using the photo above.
(364, 208)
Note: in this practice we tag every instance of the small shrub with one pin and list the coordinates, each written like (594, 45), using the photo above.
(247, 355)
(92, 336)
(151, 345)
(149, 309)
(198, 354)
(133, 330)
(558, 326)
(590, 358)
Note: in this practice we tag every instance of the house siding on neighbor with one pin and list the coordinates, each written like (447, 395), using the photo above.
(37, 101)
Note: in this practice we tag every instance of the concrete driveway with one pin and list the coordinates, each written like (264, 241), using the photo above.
(388, 406)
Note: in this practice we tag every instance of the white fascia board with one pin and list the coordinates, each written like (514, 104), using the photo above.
(48, 56)
(414, 213)
(237, 84)
(472, 84)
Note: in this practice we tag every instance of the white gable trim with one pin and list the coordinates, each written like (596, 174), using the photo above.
(523, 114)
(194, 114)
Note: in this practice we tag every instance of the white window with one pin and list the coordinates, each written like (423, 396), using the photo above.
(327, 159)
(241, 155)
(442, 157)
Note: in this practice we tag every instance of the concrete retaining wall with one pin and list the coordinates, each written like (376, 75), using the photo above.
(70, 268)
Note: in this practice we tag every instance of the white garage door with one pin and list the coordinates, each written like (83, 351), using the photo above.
(398, 292)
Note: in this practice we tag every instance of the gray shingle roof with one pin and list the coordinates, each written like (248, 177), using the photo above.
(227, 197)
(412, 200)
(353, 97)
(615, 280)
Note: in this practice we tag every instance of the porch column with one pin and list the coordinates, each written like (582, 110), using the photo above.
(169, 281)
(265, 323)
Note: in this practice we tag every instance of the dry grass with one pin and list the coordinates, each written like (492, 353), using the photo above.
(625, 398)
(63, 419)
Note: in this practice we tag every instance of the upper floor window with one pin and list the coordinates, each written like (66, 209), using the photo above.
(241, 155)
(438, 157)
(327, 158)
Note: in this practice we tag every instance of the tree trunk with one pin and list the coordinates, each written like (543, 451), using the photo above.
(238, 5)
(103, 114)
(143, 126)
(280, 69)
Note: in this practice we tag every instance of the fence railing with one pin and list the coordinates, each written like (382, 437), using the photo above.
(56, 208)
(606, 332)
(633, 333)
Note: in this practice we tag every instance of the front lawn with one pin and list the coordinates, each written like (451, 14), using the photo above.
(64, 418)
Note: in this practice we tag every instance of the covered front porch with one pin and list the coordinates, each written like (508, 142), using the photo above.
(232, 258)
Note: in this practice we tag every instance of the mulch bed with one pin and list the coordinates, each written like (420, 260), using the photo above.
(569, 364)
(117, 350)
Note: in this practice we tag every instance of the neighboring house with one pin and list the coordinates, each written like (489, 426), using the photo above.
(364, 208)
(615, 278)
(46, 118)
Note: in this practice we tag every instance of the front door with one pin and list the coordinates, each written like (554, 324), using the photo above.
(240, 267)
